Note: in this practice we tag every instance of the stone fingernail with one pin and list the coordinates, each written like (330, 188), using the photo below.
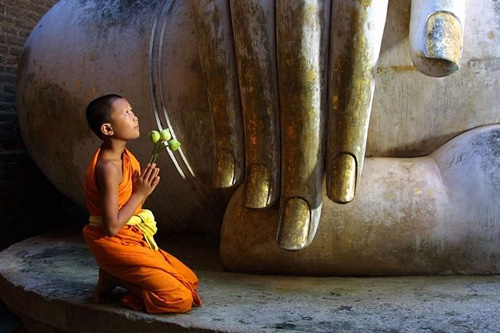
(224, 176)
(258, 187)
(294, 226)
(342, 185)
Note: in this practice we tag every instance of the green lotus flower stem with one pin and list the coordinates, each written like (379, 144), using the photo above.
(154, 154)
(158, 147)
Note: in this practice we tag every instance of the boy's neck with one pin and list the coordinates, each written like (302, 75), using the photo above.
(113, 148)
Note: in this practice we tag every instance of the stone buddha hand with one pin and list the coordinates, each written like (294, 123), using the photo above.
(290, 88)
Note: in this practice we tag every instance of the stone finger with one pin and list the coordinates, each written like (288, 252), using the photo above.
(254, 37)
(356, 36)
(216, 54)
(302, 41)
(436, 35)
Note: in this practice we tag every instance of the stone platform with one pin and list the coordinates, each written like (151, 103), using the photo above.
(48, 281)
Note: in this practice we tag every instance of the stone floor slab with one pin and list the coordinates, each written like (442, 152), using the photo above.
(48, 281)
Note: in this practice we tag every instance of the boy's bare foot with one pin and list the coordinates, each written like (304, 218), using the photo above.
(104, 286)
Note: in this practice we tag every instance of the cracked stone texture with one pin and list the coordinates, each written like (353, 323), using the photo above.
(48, 281)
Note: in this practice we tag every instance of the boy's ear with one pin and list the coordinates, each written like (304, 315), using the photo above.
(107, 129)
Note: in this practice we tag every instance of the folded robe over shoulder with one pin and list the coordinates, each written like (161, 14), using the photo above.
(167, 285)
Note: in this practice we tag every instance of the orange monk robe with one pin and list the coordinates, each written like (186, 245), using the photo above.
(167, 284)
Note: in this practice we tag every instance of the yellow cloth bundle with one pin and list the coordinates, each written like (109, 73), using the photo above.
(144, 220)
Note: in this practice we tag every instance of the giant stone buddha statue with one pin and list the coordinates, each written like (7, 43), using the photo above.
(342, 137)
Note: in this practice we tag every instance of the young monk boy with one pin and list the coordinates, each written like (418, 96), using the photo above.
(120, 233)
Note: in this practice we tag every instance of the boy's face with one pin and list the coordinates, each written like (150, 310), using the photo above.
(124, 123)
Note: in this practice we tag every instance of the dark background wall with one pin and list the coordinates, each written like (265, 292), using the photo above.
(29, 203)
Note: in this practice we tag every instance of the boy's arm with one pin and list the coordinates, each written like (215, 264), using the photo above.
(108, 178)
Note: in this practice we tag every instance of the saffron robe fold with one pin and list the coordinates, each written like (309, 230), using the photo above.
(167, 285)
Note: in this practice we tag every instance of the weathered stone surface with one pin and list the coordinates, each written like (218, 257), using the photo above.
(436, 214)
(158, 60)
(48, 281)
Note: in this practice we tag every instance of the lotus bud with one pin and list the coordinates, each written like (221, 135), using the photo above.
(174, 144)
(154, 136)
(165, 135)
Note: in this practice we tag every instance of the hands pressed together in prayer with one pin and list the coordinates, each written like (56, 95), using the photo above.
(146, 182)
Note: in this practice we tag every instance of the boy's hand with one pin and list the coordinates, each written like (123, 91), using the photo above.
(145, 183)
